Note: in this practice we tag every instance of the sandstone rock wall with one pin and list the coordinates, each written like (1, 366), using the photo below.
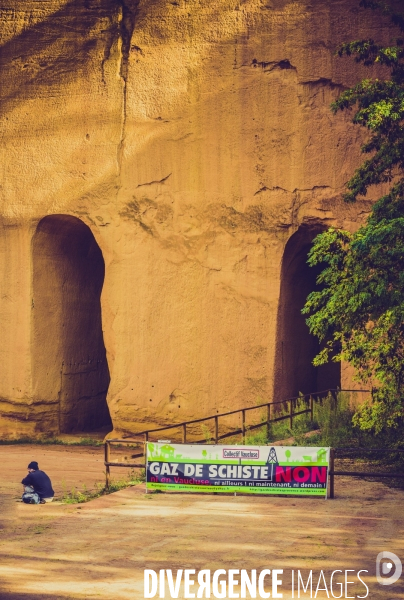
(192, 139)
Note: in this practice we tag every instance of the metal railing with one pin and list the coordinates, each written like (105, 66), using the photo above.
(334, 452)
(289, 404)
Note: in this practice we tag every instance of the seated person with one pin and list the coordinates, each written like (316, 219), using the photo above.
(39, 482)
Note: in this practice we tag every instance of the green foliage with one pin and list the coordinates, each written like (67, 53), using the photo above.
(88, 441)
(257, 438)
(280, 430)
(331, 426)
(333, 418)
(379, 107)
(358, 313)
(28, 440)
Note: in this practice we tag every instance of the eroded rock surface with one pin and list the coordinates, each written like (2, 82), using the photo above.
(192, 140)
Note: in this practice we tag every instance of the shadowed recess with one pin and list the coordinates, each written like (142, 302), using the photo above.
(295, 346)
(70, 369)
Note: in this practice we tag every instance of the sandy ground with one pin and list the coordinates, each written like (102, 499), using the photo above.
(100, 549)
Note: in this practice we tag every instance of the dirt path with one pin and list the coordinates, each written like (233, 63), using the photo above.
(68, 466)
(100, 549)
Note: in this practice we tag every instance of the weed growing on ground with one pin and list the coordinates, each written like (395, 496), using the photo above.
(87, 441)
(77, 497)
(258, 438)
(331, 424)
(333, 418)
(206, 433)
(28, 440)
(281, 430)
(50, 441)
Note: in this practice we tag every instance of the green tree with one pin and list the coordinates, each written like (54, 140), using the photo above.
(358, 313)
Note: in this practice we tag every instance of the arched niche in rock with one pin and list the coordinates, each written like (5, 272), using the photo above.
(295, 346)
(70, 370)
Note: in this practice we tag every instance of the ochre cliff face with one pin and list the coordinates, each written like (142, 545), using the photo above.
(180, 157)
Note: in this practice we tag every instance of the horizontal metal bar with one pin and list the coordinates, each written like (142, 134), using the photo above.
(226, 435)
(239, 410)
(342, 473)
(259, 406)
(198, 420)
(301, 412)
(364, 474)
(233, 412)
(131, 465)
(280, 418)
(378, 450)
(125, 441)
(204, 441)
(251, 427)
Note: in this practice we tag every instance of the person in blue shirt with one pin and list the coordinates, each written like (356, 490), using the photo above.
(39, 482)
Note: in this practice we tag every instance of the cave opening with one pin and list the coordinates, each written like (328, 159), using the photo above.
(295, 346)
(70, 369)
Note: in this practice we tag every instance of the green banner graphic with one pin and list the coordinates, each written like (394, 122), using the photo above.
(288, 470)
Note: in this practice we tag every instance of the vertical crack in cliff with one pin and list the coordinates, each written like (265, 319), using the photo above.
(126, 25)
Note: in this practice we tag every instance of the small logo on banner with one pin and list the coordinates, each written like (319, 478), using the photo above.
(239, 453)
(384, 568)
(272, 458)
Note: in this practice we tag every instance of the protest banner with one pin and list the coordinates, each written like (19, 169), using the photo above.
(288, 470)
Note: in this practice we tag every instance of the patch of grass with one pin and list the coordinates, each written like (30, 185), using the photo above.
(38, 529)
(332, 417)
(51, 441)
(257, 438)
(28, 440)
(206, 433)
(281, 430)
(87, 441)
(79, 496)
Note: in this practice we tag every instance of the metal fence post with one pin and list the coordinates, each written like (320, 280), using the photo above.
(184, 433)
(216, 429)
(107, 455)
(268, 419)
(243, 425)
(291, 414)
(331, 467)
